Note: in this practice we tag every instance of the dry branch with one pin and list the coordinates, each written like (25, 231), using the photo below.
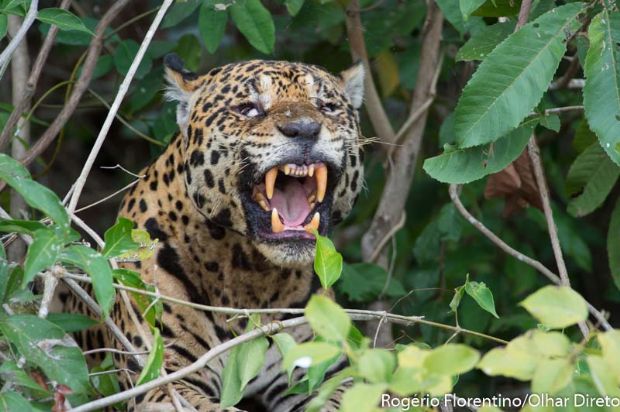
(94, 49)
(122, 90)
(31, 84)
(405, 157)
(376, 113)
(454, 196)
(5, 57)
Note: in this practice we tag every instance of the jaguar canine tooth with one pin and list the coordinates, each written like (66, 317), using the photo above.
(270, 181)
(321, 182)
(259, 198)
(276, 223)
(263, 203)
(312, 197)
(314, 223)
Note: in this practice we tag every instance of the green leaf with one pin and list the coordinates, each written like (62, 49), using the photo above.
(327, 262)
(462, 166)
(362, 397)
(469, 6)
(482, 295)
(284, 342)
(4, 25)
(20, 226)
(456, 299)
(155, 360)
(363, 282)
(124, 55)
(244, 363)
(613, 244)
(155, 307)
(13, 401)
(293, 6)
(610, 344)
(327, 319)
(212, 25)
(42, 253)
(328, 387)
(601, 93)
(35, 194)
(592, 175)
(551, 122)
(179, 11)
(49, 348)
(254, 21)
(451, 359)
(377, 365)
(106, 383)
(484, 41)
(10, 372)
(552, 375)
(602, 376)
(308, 354)
(498, 8)
(118, 239)
(556, 306)
(550, 344)
(63, 19)
(71, 322)
(584, 137)
(97, 266)
(508, 85)
(499, 361)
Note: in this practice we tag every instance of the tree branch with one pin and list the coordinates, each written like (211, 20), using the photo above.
(376, 113)
(31, 84)
(81, 181)
(541, 182)
(5, 57)
(94, 49)
(405, 157)
(454, 196)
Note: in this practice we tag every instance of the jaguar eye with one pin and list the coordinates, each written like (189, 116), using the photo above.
(327, 107)
(249, 110)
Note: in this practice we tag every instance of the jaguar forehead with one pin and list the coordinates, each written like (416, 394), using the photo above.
(265, 91)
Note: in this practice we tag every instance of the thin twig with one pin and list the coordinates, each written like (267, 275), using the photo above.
(118, 334)
(20, 65)
(268, 329)
(108, 196)
(94, 49)
(572, 84)
(399, 319)
(454, 196)
(123, 88)
(541, 182)
(5, 57)
(524, 13)
(49, 287)
(556, 110)
(33, 79)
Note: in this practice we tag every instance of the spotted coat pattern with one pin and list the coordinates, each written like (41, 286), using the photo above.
(213, 246)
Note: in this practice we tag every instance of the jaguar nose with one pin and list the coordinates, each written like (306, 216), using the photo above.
(304, 128)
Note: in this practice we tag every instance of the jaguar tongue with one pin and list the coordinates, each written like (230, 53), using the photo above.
(292, 203)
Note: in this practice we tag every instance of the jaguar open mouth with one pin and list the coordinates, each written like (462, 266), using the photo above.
(293, 195)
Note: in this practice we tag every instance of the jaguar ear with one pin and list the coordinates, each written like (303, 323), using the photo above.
(353, 79)
(181, 84)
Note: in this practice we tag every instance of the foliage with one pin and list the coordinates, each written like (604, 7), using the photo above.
(478, 126)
